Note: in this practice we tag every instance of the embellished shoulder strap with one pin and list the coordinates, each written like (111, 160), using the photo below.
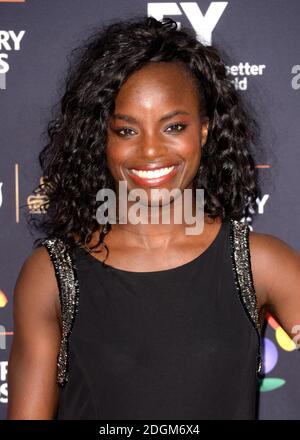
(66, 276)
(241, 263)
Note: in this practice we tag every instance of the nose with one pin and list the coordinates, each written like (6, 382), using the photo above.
(152, 146)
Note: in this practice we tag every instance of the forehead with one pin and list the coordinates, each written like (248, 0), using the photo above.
(158, 82)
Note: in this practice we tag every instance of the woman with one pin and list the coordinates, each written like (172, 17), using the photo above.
(131, 320)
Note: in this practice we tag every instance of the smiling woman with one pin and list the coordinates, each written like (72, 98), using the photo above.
(144, 321)
(161, 147)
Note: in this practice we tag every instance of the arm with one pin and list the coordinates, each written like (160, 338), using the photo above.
(32, 388)
(276, 276)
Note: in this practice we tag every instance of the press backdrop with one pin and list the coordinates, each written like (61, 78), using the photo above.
(261, 39)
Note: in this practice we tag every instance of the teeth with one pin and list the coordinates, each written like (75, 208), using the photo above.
(153, 174)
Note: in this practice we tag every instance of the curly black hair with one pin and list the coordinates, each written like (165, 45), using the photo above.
(73, 161)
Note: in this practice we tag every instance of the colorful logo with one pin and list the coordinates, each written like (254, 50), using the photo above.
(270, 355)
(3, 299)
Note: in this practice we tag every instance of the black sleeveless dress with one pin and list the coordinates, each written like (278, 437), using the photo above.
(181, 343)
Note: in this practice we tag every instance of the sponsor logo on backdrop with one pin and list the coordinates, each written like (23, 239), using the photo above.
(242, 72)
(2, 337)
(3, 382)
(9, 41)
(36, 200)
(204, 25)
(296, 331)
(3, 299)
(271, 354)
(3, 346)
(260, 203)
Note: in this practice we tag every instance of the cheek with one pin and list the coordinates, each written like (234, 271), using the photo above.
(112, 156)
(190, 149)
(191, 153)
(193, 162)
(115, 156)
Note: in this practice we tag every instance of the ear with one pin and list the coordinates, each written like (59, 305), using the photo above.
(204, 130)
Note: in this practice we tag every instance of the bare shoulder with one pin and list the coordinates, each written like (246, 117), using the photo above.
(271, 259)
(32, 381)
(268, 250)
(38, 272)
(39, 259)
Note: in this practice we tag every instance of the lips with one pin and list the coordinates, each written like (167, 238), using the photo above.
(153, 175)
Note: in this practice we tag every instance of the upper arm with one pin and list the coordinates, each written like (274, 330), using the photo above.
(276, 276)
(32, 387)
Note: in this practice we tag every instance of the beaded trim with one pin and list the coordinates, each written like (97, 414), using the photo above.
(66, 276)
(241, 263)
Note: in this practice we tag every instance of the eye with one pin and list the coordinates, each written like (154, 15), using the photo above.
(125, 131)
(176, 128)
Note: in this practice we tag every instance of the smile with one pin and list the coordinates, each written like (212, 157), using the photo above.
(152, 174)
(153, 177)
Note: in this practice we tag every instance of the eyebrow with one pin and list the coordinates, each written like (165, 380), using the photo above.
(163, 118)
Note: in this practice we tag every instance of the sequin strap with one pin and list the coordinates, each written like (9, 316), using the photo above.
(241, 262)
(66, 276)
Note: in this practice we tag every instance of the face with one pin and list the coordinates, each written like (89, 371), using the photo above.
(155, 136)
